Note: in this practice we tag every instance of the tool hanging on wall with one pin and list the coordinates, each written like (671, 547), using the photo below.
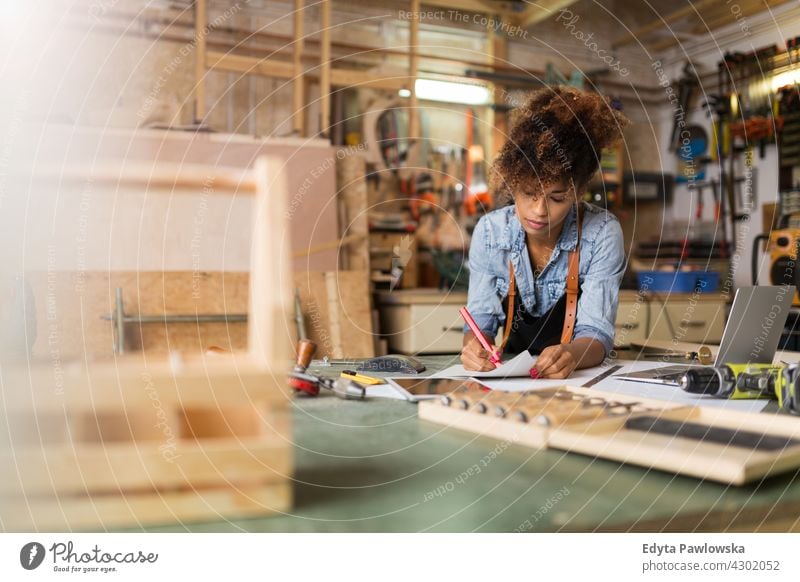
(692, 156)
(477, 190)
(789, 143)
(687, 84)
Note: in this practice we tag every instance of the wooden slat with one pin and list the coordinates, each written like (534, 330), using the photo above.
(148, 508)
(249, 65)
(350, 78)
(200, 23)
(270, 303)
(131, 383)
(413, 67)
(481, 6)
(351, 185)
(325, 68)
(168, 177)
(298, 88)
(285, 70)
(120, 467)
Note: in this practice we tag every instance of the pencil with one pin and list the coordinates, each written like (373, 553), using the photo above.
(478, 334)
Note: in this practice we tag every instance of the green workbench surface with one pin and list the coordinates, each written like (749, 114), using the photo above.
(372, 466)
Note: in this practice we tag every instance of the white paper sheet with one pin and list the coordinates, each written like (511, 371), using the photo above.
(517, 367)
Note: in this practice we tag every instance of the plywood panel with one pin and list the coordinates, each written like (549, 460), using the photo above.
(338, 313)
(70, 306)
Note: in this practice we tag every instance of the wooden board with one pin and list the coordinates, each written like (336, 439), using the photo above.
(593, 422)
(107, 468)
(133, 383)
(70, 307)
(609, 439)
(338, 313)
(351, 185)
(490, 423)
(140, 509)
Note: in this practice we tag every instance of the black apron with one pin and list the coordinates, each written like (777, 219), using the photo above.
(535, 333)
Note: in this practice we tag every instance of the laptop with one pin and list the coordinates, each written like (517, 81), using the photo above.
(751, 334)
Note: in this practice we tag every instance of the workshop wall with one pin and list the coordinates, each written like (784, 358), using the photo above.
(765, 182)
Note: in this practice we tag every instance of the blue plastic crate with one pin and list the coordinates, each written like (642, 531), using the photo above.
(707, 281)
(678, 281)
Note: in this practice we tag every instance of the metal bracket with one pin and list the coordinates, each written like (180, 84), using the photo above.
(118, 319)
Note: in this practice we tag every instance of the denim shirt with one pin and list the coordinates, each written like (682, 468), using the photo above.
(499, 237)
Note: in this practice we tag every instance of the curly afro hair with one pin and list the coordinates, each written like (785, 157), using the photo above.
(558, 135)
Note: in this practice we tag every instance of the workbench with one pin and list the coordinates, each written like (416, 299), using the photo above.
(372, 466)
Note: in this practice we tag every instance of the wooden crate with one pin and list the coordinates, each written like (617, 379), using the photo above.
(629, 430)
(152, 439)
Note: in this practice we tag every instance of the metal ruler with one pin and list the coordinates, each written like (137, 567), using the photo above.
(601, 376)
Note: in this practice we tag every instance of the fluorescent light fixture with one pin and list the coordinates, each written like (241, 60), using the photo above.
(790, 77)
(450, 92)
(404, 93)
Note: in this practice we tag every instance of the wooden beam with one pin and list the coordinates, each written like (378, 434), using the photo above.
(542, 10)
(348, 78)
(285, 70)
(729, 18)
(200, 23)
(661, 22)
(269, 270)
(175, 177)
(325, 70)
(298, 91)
(413, 67)
(499, 52)
(465, 5)
(250, 65)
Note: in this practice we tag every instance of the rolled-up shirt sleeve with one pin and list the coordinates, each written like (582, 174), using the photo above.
(597, 306)
(482, 301)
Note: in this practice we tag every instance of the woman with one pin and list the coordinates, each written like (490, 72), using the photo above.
(521, 256)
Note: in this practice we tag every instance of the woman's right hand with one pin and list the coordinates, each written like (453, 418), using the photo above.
(473, 356)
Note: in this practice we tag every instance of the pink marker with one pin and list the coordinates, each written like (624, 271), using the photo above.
(481, 338)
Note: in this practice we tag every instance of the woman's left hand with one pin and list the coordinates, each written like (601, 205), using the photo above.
(555, 362)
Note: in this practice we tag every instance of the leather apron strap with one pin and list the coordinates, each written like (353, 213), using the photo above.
(573, 271)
